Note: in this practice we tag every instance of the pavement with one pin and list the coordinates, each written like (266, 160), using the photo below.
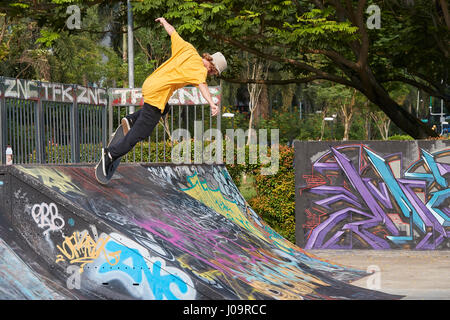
(418, 275)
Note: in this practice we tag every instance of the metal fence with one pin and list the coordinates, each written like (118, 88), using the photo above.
(60, 123)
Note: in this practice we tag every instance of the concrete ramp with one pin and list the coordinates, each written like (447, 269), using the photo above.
(156, 232)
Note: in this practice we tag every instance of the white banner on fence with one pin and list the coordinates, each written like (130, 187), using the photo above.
(183, 96)
(57, 92)
(68, 93)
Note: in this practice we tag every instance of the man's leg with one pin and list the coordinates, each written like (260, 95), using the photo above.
(129, 120)
(142, 128)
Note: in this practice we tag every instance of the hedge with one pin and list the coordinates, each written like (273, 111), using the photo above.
(275, 200)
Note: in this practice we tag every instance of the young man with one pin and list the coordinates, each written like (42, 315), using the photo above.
(184, 67)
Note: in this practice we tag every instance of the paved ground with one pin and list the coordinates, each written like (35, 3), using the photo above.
(419, 275)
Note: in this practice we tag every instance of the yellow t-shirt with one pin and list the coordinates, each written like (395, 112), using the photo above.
(184, 67)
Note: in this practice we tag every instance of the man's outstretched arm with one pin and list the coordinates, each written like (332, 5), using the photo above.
(205, 93)
(166, 25)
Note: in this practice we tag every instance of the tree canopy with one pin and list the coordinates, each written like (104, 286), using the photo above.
(312, 40)
(330, 40)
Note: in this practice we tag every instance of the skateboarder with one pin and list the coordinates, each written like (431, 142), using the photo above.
(184, 67)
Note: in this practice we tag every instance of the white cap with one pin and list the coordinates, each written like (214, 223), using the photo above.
(219, 62)
(9, 150)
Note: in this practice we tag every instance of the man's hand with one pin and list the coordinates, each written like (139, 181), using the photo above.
(203, 87)
(162, 21)
(214, 109)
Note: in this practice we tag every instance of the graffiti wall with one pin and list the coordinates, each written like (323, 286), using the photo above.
(373, 195)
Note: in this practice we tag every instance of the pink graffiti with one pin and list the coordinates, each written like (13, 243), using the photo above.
(208, 243)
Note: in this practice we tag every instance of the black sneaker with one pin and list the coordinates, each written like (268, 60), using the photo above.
(107, 162)
(126, 125)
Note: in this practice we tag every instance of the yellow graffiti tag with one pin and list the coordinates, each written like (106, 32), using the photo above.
(81, 249)
(216, 201)
(52, 178)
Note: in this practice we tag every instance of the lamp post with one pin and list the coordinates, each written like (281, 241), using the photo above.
(130, 49)
(418, 99)
(441, 114)
(300, 109)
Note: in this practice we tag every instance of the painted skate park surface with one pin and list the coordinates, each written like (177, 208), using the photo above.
(155, 232)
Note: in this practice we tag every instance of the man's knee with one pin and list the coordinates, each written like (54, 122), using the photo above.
(166, 109)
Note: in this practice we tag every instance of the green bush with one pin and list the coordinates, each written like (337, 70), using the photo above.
(149, 152)
(401, 137)
(275, 200)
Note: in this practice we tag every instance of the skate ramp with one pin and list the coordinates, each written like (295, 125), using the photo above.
(155, 232)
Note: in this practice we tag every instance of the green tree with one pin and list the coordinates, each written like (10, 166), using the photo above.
(330, 40)
(311, 39)
(20, 55)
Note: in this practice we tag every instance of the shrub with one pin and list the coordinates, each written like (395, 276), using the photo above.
(400, 137)
(275, 200)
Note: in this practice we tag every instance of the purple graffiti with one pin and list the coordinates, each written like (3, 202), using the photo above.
(360, 199)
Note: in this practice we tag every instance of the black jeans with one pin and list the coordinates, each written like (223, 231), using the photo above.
(142, 122)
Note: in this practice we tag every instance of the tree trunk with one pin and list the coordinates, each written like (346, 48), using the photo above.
(263, 110)
(347, 114)
(367, 121)
(322, 129)
(255, 70)
(444, 7)
(250, 128)
(402, 118)
(286, 96)
(322, 126)
(367, 127)
(382, 122)
(346, 130)
(387, 125)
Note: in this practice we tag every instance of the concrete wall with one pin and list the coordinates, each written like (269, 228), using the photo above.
(373, 194)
